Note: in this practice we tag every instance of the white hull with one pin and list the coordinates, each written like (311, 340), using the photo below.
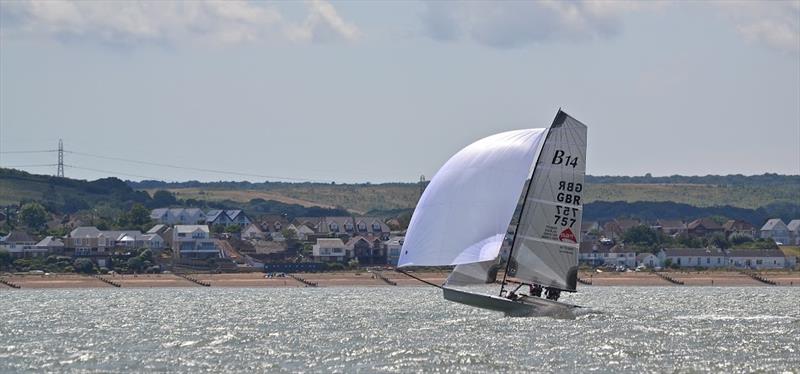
(525, 307)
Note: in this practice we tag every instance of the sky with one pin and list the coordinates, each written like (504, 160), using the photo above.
(388, 91)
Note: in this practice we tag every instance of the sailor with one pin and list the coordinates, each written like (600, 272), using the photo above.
(553, 293)
(512, 296)
(536, 290)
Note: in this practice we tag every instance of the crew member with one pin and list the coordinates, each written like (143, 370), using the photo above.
(536, 290)
(553, 293)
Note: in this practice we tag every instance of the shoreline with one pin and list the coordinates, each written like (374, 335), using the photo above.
(367, 279)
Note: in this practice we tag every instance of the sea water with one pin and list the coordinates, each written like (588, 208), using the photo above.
(393, 329)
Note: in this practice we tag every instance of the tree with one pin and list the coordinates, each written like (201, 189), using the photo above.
(641, 235)
(5, 258)
(218, 228)
(83, 265)
(163, 198)
(33, 215)
(719, 241)
(139, 215)
(233, 229)
(135, 264)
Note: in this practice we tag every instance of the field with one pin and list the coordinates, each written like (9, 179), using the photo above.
(363, 198)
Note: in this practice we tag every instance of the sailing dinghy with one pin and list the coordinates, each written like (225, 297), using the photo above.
(464, 213)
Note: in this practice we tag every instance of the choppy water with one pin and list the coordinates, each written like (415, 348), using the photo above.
(395, 330)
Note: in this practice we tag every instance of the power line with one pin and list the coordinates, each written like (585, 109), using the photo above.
(108, 172)
(28, 166)
(193, 168)
(41, 151)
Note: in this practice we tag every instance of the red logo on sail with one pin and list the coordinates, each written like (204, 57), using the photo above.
(567, 235)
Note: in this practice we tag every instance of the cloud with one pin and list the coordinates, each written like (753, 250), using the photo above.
(169, 22)
(775, 24)
(513, 24)
(324, 24)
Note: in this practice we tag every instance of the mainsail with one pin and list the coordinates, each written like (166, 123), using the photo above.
(463, 215)
(545, 249)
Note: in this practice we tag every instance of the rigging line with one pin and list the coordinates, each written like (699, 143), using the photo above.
(108, 171)
(42, 151)
(194, 168)
(417, 278)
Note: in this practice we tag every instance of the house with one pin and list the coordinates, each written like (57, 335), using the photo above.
(19, 244)
(193, 242)
(274, 223)
(757, 259)
(693, 257)
(703, 227)
(736, 227)
(178, 216)
(776, 230)
(590, 230)
(372, 226)
(252, 231)
(598, 254)
(50, 245)
(648, 260)
(331, 249)
(302, 232)
(368, 252)
(670, 227)
(227, 218)
(393, 248)
(616, 228)
(794, 231)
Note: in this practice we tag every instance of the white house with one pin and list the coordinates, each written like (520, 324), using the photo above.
(178, 216)
(19, 244)
(757, 259)
(331, 249)
(648, 260)
(693, 257)
(193, 241)
(794, 231)
(776, 230)
(301, 231)
(252, 231)
(598, 254)
(394, 246)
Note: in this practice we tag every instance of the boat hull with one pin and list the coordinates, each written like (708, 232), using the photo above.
(524, 307)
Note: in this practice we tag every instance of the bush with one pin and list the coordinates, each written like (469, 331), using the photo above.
(336, 266)
(83, 265)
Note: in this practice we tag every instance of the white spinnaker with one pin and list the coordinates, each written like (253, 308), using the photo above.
(463, 215)
(548, 235)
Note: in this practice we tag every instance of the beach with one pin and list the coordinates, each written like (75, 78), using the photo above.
(368, 279)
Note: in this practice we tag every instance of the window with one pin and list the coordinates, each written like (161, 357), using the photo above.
(333, 226)
(362, 226)
(719, 260)
(376, 226)
(708, 260)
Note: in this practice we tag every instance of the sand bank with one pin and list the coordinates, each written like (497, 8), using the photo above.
(367, 279)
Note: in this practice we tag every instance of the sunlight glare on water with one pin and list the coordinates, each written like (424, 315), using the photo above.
(393, 329)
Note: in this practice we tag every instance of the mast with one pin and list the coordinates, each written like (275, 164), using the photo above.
(525, 203)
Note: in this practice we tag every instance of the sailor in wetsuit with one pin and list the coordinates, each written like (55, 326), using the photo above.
(536, 290)
(553, 293)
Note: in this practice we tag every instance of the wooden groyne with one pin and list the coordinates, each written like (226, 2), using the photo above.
(383, 278)
(10, 284)
(193, 279)
(303, 281)
(668, 278)
(107, 281)
(760, 278)
(584, 281)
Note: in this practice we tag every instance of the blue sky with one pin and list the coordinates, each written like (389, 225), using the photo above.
(387, 91)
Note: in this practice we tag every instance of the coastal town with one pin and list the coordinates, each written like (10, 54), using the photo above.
(196, 241)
